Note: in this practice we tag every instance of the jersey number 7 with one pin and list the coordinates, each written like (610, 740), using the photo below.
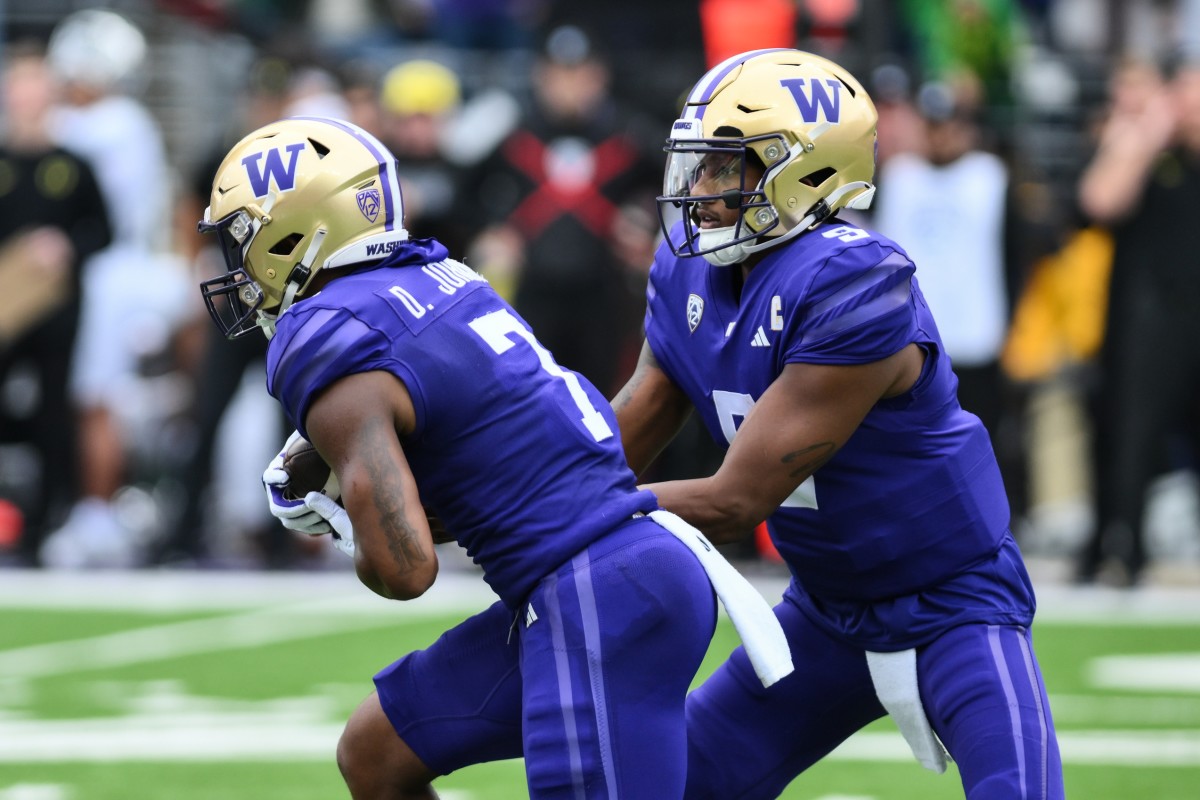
(501, 330)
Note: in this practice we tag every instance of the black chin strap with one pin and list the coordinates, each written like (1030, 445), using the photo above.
(821, 212)
(299, 275)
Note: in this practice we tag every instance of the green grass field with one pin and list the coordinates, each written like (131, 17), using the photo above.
(235, 686)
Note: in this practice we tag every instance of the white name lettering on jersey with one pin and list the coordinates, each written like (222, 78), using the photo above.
(451, 275)
(410, 303)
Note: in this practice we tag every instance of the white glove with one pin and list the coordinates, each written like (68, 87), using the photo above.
(295, 515)
(329, 510)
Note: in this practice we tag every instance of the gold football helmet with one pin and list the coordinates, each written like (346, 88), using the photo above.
(804, 120)
(290, 199)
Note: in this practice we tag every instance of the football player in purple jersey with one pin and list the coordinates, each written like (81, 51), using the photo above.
(420, 387)
(803, 342)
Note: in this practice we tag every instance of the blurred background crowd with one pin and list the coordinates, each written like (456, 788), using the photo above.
(1039, 159)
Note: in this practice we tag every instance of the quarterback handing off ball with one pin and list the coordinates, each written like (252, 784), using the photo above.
(308, 472)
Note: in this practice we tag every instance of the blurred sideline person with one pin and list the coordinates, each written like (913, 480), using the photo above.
(52, 218)
(901, 128)
(806, 347)
(567, 201)
(1143, 184)
(419, 103)
(949, 200)
(134, 292)
(421, 387)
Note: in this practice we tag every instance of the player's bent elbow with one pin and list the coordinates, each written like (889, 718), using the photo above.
(412, 583)
(733, 518)
(407, 590)
(397, 584)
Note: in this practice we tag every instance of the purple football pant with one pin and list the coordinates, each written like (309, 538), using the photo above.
(980, 685)
(590, 687)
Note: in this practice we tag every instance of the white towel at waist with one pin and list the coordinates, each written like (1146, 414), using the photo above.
(895, 679)
(749, 612)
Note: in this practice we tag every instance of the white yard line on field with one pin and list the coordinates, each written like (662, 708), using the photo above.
(173, 591)
(335, 612)
(159, 642)
(34, 791)
(1157, 672)
(1137, 711)
(214, 739)
(138, 739)
(1177, 748)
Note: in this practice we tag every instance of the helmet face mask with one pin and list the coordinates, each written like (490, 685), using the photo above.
(801, 119)
(707, 172)
(233, 299)
(291, 199)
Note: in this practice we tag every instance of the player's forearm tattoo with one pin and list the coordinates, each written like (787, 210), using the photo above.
(388, 497)
(808, 460)
(401, 538)
(627, 391)
(646, 359)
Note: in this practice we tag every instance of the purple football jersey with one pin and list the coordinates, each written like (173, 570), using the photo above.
(914, 497)
(517, 455)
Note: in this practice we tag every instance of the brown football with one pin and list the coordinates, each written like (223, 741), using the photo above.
(307, 472)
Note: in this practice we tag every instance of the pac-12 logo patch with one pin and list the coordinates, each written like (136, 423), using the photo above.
(695, 310)
(368, 203)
